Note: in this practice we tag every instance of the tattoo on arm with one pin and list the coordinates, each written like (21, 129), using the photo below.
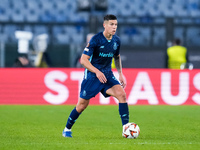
(118, 63)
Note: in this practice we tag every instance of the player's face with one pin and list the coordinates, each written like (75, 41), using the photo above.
(110, 26)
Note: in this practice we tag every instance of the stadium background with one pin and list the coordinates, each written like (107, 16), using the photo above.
(146, 28)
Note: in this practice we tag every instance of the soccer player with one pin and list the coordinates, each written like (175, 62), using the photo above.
(98, 77)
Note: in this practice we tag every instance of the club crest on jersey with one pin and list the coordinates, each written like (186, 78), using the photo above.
(115, 46)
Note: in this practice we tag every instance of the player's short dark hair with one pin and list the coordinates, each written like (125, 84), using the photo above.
(110, 17)
(177, 41)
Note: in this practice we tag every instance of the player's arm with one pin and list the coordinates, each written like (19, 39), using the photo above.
(118, 65)
(86, 63)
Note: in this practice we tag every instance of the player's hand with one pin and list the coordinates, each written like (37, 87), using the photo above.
(101, 77)
(122, 80)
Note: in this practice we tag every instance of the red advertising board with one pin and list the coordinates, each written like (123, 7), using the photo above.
(58, 86)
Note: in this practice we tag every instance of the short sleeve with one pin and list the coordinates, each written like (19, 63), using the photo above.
(89, 49)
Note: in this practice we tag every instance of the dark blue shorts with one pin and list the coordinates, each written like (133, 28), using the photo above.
(90, 87)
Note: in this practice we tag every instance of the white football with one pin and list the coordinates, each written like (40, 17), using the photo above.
(131, 130)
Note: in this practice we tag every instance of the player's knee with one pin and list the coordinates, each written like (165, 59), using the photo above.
(80, 108)
(121, 96)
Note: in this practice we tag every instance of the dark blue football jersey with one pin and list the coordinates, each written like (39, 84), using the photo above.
(101, 52)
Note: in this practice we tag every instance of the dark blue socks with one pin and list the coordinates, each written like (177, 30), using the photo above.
(72, 118)
(124, 113)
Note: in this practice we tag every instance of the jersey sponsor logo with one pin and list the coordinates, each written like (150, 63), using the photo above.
(86, 49)
(106, 55)
(115, 46)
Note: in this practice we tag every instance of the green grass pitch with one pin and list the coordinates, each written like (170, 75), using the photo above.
(99, 128)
